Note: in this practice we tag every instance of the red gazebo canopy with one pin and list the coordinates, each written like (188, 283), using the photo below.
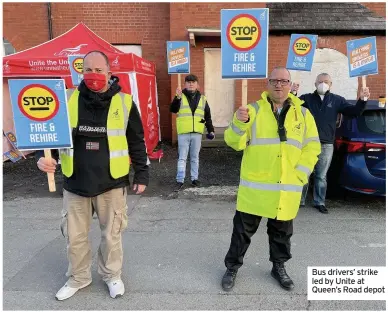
(50, 59)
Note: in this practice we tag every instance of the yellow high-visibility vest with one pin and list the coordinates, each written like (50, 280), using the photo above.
(273, 172)
(117, 122)
(186, 121)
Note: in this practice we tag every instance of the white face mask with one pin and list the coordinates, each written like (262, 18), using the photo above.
(323, 88)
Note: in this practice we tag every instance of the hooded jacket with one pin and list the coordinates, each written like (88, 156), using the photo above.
(274, 169)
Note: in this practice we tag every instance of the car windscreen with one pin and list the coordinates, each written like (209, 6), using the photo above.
(372, 122)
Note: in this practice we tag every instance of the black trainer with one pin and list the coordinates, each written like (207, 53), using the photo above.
(195, 183)
(321, 208)
(178, 186)
(279, 273)
(228, 279)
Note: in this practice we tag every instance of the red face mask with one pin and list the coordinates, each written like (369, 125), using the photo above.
(95, 81)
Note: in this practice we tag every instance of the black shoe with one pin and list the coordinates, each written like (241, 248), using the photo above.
(279, 273)
(195, 183)
(228, 279)
(178, 186)
(321, 208)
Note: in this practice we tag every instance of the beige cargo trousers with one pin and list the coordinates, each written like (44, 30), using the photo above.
(111, 209)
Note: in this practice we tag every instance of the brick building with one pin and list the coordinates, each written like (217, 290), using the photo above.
(144, 28)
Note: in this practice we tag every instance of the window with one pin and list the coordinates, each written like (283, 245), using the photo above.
(8, 48)
(372, 122)
(130, 48)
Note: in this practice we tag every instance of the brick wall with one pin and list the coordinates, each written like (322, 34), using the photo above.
(183, 15)
(151, 25)
(378, 7)
(118, 23)
(376, 83)
(21, 29)
(127, 23)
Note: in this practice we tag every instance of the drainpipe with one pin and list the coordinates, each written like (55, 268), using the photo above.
(50, 20)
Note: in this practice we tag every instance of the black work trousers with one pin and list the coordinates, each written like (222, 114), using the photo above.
(245, 226)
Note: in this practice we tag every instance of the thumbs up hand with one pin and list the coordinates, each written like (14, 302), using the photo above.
(242, 114)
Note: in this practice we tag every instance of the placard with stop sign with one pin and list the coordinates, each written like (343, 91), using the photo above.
(76, 65)
(301, 52)
(40, 113)
(244, 43)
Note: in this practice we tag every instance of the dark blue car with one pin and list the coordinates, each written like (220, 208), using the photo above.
(359, 153)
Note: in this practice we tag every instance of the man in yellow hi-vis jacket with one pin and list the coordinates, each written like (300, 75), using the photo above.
(281, 146)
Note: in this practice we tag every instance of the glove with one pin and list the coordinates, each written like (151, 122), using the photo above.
(210, 136)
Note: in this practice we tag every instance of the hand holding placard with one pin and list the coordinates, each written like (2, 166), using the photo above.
(364, 91)
(48, 164)
(295, 88)
(242, 114)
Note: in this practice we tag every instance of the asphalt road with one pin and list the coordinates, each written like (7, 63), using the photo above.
(173, 257)
(174, 246)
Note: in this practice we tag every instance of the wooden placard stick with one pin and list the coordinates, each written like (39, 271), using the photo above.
(50, 175)
(363, 78)
(297, 78)
(179, 82)
(244, 92)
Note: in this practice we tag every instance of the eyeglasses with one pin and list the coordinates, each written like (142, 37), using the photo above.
(283, 82)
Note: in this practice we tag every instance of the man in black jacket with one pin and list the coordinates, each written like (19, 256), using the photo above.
(193, 115)
(325, 106)
(96, 173)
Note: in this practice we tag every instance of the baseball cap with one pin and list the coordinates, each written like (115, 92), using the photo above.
(191, 78)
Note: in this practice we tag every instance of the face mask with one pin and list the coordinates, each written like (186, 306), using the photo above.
(323, 88)
(95, 81)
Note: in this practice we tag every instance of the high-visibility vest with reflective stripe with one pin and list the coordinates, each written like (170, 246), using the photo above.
(186, 121)
(271, 179)
(117, 122)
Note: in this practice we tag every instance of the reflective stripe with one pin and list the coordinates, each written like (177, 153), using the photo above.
(304, 110)
(256, 106)
(191, 115)
(304, 169)
(125, 110)
(184, 106)
(69, 93)
(67, 151)
(185, 115)
(294, 142)
(312, 139)
(272, 187)
(253, 135)
(237, 130)
(114, 154)
(264, 141)
(116, 132)
(202, 101)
